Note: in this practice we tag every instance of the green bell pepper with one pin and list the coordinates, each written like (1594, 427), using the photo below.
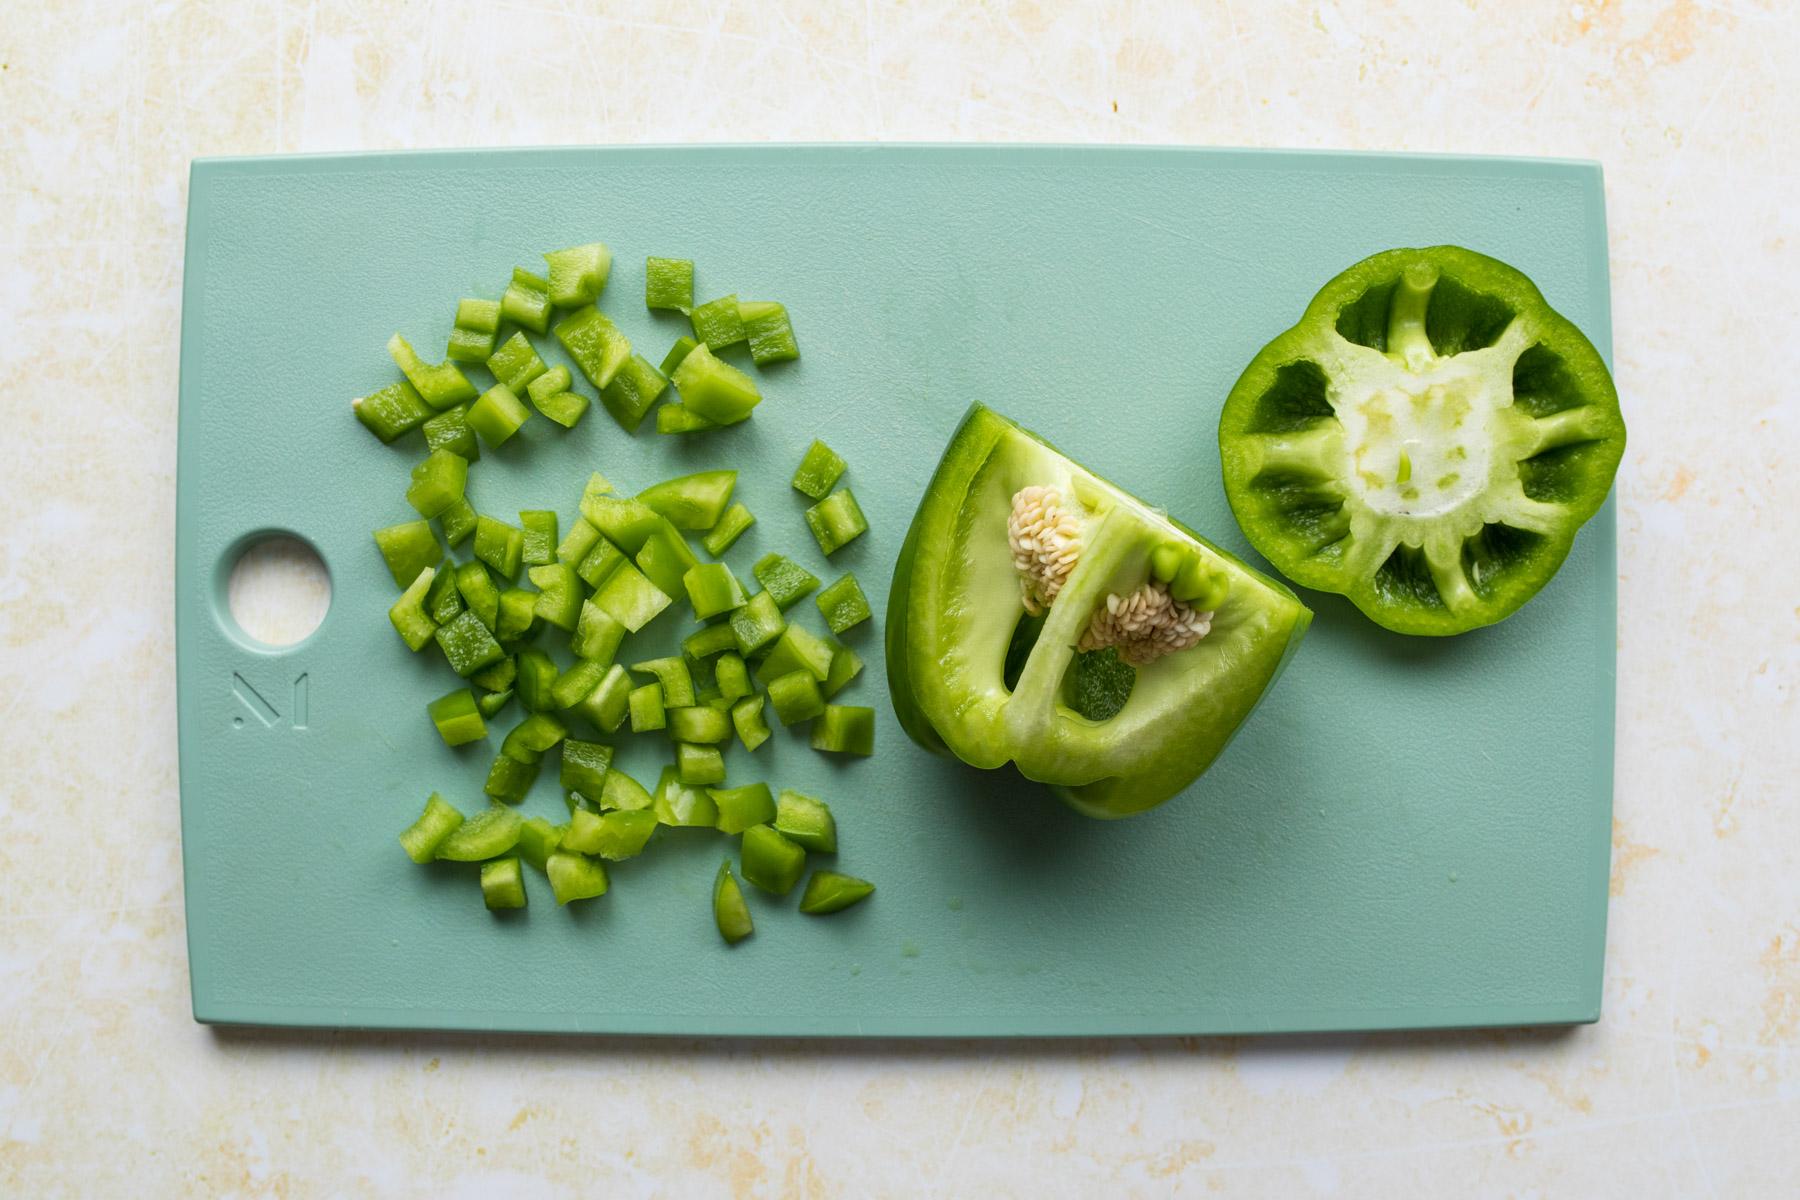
(411, 621)
(560, 594)
(713, 590)
(757, 623)
(700, 724)
(628, 524)
(624, 793)
(623, 833)
(786, 581)
(458, 521)
(731, 526)
(502, 884)
(537, 675)
(630, 598)
(488, 834)
(477, 323)
(577, 542)
(646, 707)
(747, 720)
(595, 344)
(497, 415)
(601, 560)
(574, 877)
(843, 604)
(669, 283)
(443, 601)
(692, 501)
(552, 395)
(449, 430)
(526, 300)
(479, 593)
(845, 666)
(516, 363)
(713, 389)
(467, 644)
(540, 537)
(742, 807)
(457, 718)
(518, 616)
(1426, 440)
(490, 704)
(845, 729)
(730, 913)
(1002, 499)
(538, 840)
(437, 483)
(443, 386)
(578, 274)
(771, 861)
(584, 766)
(699, 766)
(597, 635)
(675, 417)
(829, 892)
(732, 676)
(704, 643)
(683, 805)
(836, 521)
(806, 820)
(795, 697)
(632, 390)
(497, 677)
(672, 674)
(665, 558)
(606, 706)
(500, 546)
(818, 472)
(797, 649)
(391, 411)
(424, 836)
(768, 330)
(676, 353)
(718, 323)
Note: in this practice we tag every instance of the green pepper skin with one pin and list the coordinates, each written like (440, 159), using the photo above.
(955, 603)
(1426, 440)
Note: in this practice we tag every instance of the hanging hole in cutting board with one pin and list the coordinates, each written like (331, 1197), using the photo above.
(278, 591)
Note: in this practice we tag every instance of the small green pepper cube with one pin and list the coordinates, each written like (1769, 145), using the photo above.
(786, 581)
(533, 736)
(488, 834)
(457, 719)
(578, 274)
(496, 678)
(845, 666)
(675, 417)
(467, 644)
(712, 589)
(692, 502)
(624, 793)
(730, 913)
(806, 820)
(553, 380)
(583, 834)
(577, 683)
(408, 615)
(770, 334)
(845, 729)
(795, 697)
(518, 613)
(673, 674)
(729, 528)
(699, 724)
(492, 702)
(771, 861)
(665, 558)
(516, 364)
(836, 521)
(457, 521)
(623, 834)
(537, 675)
(699, 766)
(757, 623)
(843, 604)
(733, 677)
(713, 389)
(437, 483)
(819, 471)
(468, 346)
(479, 593)
(676, 353)
(538, 840)
(669, 283)
(584, 766)
(680, 804)
(540, 537)
(526, 300)
(565, 408)
(424, 836)
(798, 649)
(742, 807)
(595, 344)
(391, 411)
(828, 892)
(497, 415)
(597, 635)
(442, 386)
(502, 884)
(626, 523)
(443, 601)
(630, 598)
(574, 877)
(559, 594)
(600, 562)
(449, 430)
(708, 641)
(632, 390)
(646, 708)
(717, 322)
(477, 322)
(500, 546)
(606, 706)
(575, 545)
(747, 720)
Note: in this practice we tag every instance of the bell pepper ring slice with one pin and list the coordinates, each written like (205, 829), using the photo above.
(958, 597)
(1426, 440)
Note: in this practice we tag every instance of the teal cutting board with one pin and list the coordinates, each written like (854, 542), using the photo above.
(1408, 832)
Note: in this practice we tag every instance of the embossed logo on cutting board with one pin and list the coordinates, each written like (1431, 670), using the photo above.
(266, 713)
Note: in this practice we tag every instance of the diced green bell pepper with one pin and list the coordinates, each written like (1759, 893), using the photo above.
(770, 334)
(624, 793)
(467, 644)
(828, 892)
(526, 300)
(551, 394)
(714, 389)
(559, 594)
(771, 861)
(836, 521)
(758, 623)
(578, 274)
(606, 706)
(488, 834)
(422, 838)
(669, 283)
(731, 526)
(717, 322)
(699, 766)
(391, 411)
(583, 834)
(673, 674)
(818, 472)
(540, 537)
(682, 805)
(597, 635)
(595, 344)
(577, 683)
(733, 677)
(786, 581)
(632, 391)
(479, 593)
(437, 483)
(443, 601)
(747, 720)
(516, 363)
(742, 807)
(457, 719)
(697, 723)
(502, 884)
(457, 521)
(694, 501)
(845, 666)
(408, 614)
(518, 614)
(676, 353)
(497, 415)
(795, 697)
(477, 323)
(449, 430)
(843, 604)
(646, 708)
(574, 877)
(797, 649)
(601, 561)
(665, 558)
(630, 598)
(537, 675)
(675, 417)
(584, 766)
(533, 736)
(622, 834)
(845, 729)
(577, 542)
(806, 820)
(443, 386)
(538, 840)
(626, 523)
(500, 546)
(509, 779)
(712, 590)
(708, 641)
(490, 703)
(730, 913)
(497, 677)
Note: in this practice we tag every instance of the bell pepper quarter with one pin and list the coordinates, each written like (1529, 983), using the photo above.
(958, 597)
(1426, 441)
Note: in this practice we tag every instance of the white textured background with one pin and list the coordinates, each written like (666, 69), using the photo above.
(1689, 1087)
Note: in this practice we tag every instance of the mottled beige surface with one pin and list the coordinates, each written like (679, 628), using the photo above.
(1691, 1084)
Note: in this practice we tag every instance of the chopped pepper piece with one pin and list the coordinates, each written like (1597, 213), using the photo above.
(600, 562)
(497, 415)
(683, 805)
(632, 390)
(457, 719)
(806, 820)
(597, 635)
(713, 389)
(676, 353)
(630, 598)
(467, 644)
(795, 697)
(477, 323)
(717, 323)
(742, 807)
(534, 735)
(836, 521)
(694, 501)
(770, 334)
(538, 840)
(678, 418)
(488, 834)
(843, 604)
(669, 283)
(560, 594)
(646, 708)
(673, 675)
(577, 683)
(443, 601)
(818, 472)
(624, 793)
(509, 779)
(623, 834)
(712, 589)
(552, 395)
(540, 537)
(391, 411)
(730, 527)
(757, 623)
(449, 430)
(574, 877)
(577, 542)
(422, 838)
(500, 546)
(492, 702)
(797, 649)
(584, 766)
(437, 483)
(526, 300)
(497, 677)
(443, 386)
(537, 675)
(771, 861)
(457, 521)
(732, 676)
(845, 666)
(845, 729)
(479, 593)
(502, 884)
(699, 724)
(747, 720)
(730, 913)
(411, 622)
(578, 274)
(699, 766)
(518, 616)
(595, 344)
(787, 581)
(626, 523)
(829, 892)
(608, 703)
(708, 641)
(516, 363)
